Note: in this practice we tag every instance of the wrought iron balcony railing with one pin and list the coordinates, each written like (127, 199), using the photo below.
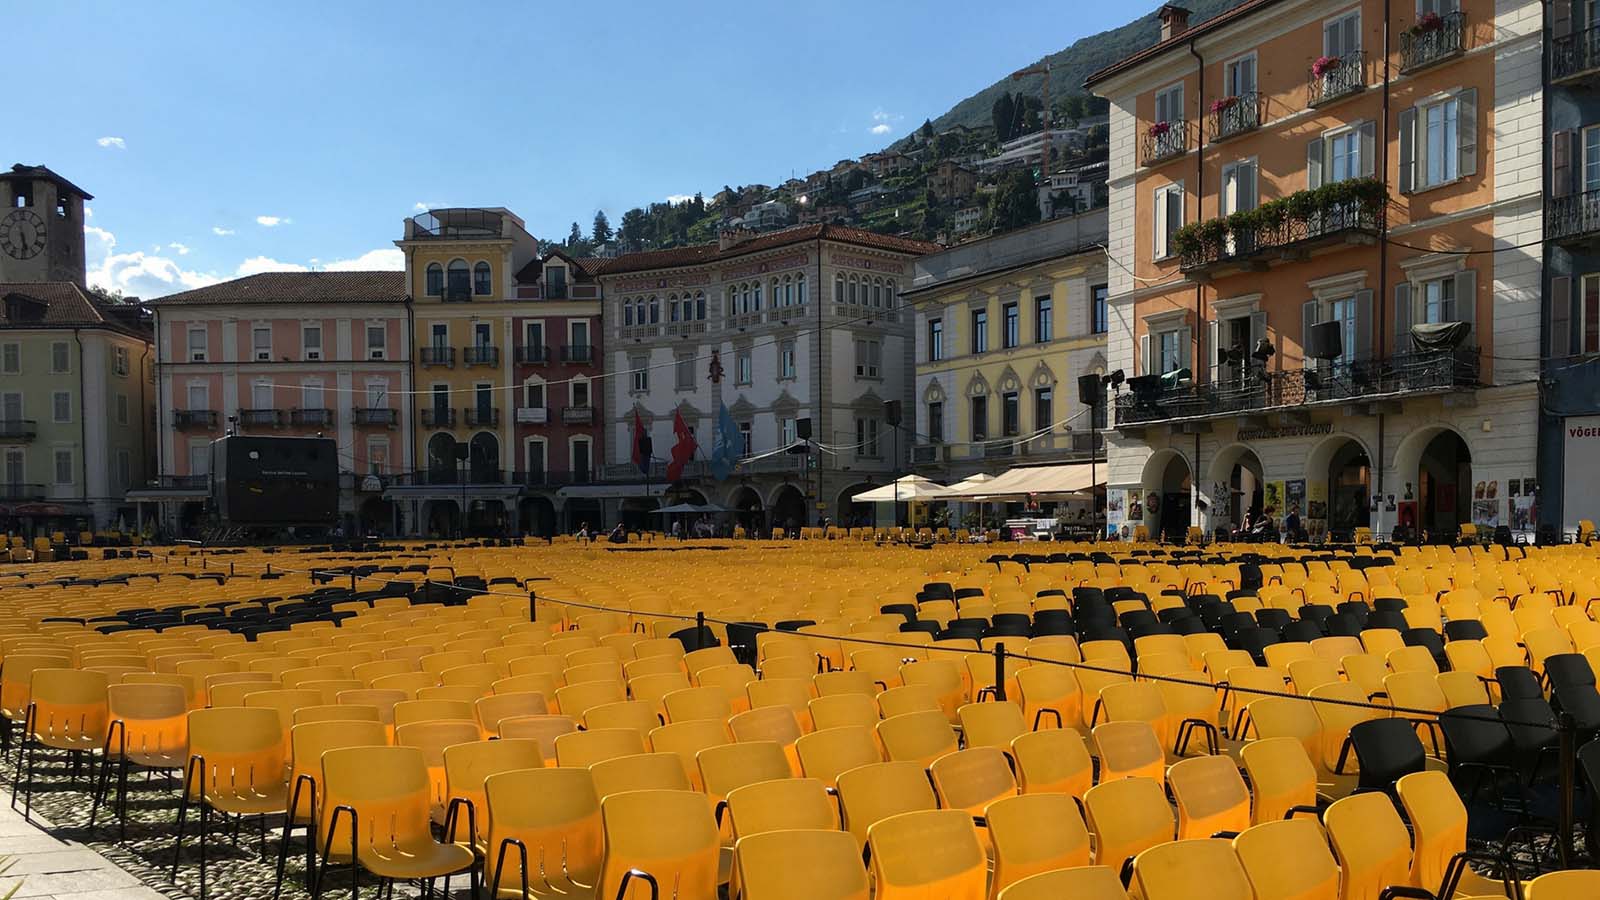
(438, 356)
(439, 417)
(311, 418)
(1233, 116)
(260, 418)
(1433, 39)
(368, 415)
(533, 354)
(482, 418)
(1575, 55)
(1339, 76)
(1573, 216)
(1263, 233)
(577, 353)
(18, 429)
(481, 355)
(194, 418)
(1163, 141)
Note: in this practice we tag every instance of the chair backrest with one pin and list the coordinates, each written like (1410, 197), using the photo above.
(780, 805)
(1035, 833)
(544, 729)
(1053, 761)
(243, 748)
(1438, 823)
(1572, 884)
(991, 724)
(838, 710)
(1127, 816)
(1080, 883)
(154, 717)
(490, 710)
(69, 707)
(1282, 777)
(972, 779)
(1288, 859)
(585, 748)
(431, 738)
(308, 741)
(639, 772)
(1129, 749)
(871, 793)
(729, 766)
(555, 813)
(467, 766)
(639, 715)
(1200, 869)
(927, 853)
(1371, 844)
(668, 834)
(338, 712)
(1211, 796)
(687, 739)
(388, 789)
(919, 736)
(769, 862)
(828, 752)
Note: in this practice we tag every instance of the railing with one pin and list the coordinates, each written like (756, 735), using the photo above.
(456, 225)
(438, 356)
(533, 415)
(311, 418)
(18, 429)
(577, 415)
(927, 454)
(458, 293)
(1341, 76)
(549, 479)
(454, 475)
(179, 482)
(480, 355)
(259, 418)
(554, 291)
(1239, 243)
(1574, 215)
(531, 355)
(439, 417)
(194, 418)
(1574, 55)
(17, 491)
(577, 353)
(368, 415)
(1161, 144)
(1404, 373)
(1433, 39)
(999, 449)
(482, 418)
(1233, 116)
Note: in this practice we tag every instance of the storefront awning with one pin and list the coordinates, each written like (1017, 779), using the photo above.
(1039, 481)
(611, 491)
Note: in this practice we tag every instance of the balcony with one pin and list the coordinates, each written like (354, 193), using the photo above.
(533, 415)
(1575, 217)
(533, 355)
(1433, 40)
(311, 418)
(16, 492)
(439, 417)
(376, 416)
(1163, 141)
(1233, 116)
(1421, 372)
(577, 415)
(438, 356)
(456, 225)
(581, 354)
(13, 430)
(453, 475)
(260, 418)
(179, 483)
(1002, 449)
(1342, 212)
(929, 454)
(481, 418)
(554, 291)
(457, 293)
(194, 419)
(1335, 77)
(481, 355)
(1575, 55)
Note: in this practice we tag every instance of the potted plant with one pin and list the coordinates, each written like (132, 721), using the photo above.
(1428, 22)
(1322, 65)
(1186, 240)
(1223, 103)
(1159, 129)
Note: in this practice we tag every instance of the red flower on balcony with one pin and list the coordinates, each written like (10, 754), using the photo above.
(1223, 103)
(1159, 129)
(1322, 65)
(1429, 21)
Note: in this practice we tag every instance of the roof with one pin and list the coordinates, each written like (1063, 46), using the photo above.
(20, 171)
(65, 305)
(702, 254)
(1178, 40)
(297, 287)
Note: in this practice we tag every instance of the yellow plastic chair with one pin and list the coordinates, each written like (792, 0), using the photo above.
(431, 738)
(784, 804)
(839, 710)
(1439, 828)
(657, 839)
(1210, 795)
(544, 729)
(466, 768)
(640, 772)
(1288, 859)
(927, 853)
(544, 833)
(1283, 779)
(67, 710)
(1573, 884)
(827, 861)
(1127, 817)
(1129, 749)
(237, 766)
(871, 793)
(1202, 869)
(991, 724)
(972, 779)
(148, 728)
(1079, 883)
(585, 748)
(686, 740)
(827, 753)
(1035, 833)
(921, 737)
(1053, 761)
(1371, 844)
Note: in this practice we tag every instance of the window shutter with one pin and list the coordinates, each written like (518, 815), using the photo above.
(1561, 315)
(1215, 345)
(1248, 197)
(1561, 147)
(1185, 339)
(1174, 215)
(1330, 39)
(1369, 142)
(1258, 330)
(1310, 315)
(1159, 245)
(1467, 131)
(1402, 318)
(1561, 18)
(1363, 348)
(1314, 163)
(1467, 298)
(1408, 149)
(1146, 353)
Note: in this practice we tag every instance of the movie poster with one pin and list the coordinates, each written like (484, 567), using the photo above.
(1116, 510)
(1272, 499)
(1486, 513)
(1294, 494)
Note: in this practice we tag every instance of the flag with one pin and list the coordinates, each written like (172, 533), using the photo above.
(641, 444)
(727, 447)
(683, 450)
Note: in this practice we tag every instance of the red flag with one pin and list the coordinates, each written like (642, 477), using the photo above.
(683, 450)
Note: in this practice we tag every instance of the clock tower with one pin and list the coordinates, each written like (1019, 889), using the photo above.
(41, 227)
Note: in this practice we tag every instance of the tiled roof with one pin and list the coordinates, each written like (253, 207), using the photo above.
(297, 287)
(701, 254)
(1178, 40)
(61, 304)
(21, 171)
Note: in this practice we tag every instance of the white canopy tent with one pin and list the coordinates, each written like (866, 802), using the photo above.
(1041, 482)
(903, 490)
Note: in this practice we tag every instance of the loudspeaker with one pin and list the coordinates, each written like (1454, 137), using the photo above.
(1090, 391)
(802, 428)
(891, 413)
(1325, 340)
(275, 481)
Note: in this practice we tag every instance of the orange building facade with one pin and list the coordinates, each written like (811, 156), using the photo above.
(1325, 266)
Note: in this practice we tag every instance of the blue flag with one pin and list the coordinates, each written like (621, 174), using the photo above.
(727, 447)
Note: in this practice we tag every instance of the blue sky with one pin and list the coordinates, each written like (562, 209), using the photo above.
(227, 138)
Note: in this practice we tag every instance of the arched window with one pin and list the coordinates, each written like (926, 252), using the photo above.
(480, 279)
(877, 292)
(744, 294)
(756, 307)
(788, 290)
(838, 288)
(800, 290)
(777, 293)
(888, 293)
(627, 312)
(700, 305)
(435, 285)
(852, 289)
(672, 307)
(458, 280)
(655, 310)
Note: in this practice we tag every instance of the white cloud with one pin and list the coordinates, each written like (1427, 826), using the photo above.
(679, 198)
(273, 221)
(883, 122)
(180, 249)
(88, 211)
(881, 128)
(219, 231)
(137, 273)
(382, 259)
(255, 265)
(116, 142)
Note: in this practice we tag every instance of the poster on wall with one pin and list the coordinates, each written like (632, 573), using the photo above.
(1294, 495)
(1116, 511)
(1524, 513)
(1580, 483)
(1486, 513)
(1272, 499)
(1406, 518)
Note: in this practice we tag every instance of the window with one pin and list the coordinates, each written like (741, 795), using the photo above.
(1344, 156)
(935, 339)
(435, 283)
(377, 456)
(787, 433)
(377, 341)
(746, 440)
(1438, 141)
(867, 438)
(1011, 326)
(483, 395)
(799, 293)
(1341, 36)
(10, 359)
(936, 422)
(14, 467)
(877, 293)
(555, 282)
(64, 467)
(536, 461)
(122, 409)
(457, 280)
(11, 406)
(439, 336)
(261, 395)
(683, 372)
(1044, 408)
(580, 392)
(60, 406)
(980, 418)
(1446, 7)
(482, 335)
(119, 360)
(755, 305)
(743, 368)
(1439, 300)
(533, 395)
(377, 394)
(582, 458)
(578, 338)
(639, 373)
(1169, 104)
(124, 470)
(1588, 319)
(1098, 320)
(1343, 311)
(655, 310)
(441, 404)
(1341, 154)
(197, 344)
(1044, 328)
(786, 361)
(311, 341)
(1169, 352)
(481, 282)
(199, 459)
(533, 340)
(1168, 217)
(869, 359)
(60, 357)
(838, 288)
(980, 331)
(1010, 414)
(1165, 349)
(700, 302)
(1239, 187)
(627, 313)
(311, 395)
(672, 308)
(1239, 76)
(199, 396)
(261, 343)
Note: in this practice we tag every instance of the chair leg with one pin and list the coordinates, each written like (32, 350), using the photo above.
(205, 822)
(122, 801)
(283, 851)
(102, 784)
(177, 842)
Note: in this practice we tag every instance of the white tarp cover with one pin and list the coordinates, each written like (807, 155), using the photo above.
(1071, 478)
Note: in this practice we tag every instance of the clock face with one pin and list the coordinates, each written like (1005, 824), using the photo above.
(22, 234)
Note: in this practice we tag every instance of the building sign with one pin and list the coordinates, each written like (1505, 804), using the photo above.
(1580, 482)
(868, 263)
(792, 261)
(661, 284)
(1291, 431)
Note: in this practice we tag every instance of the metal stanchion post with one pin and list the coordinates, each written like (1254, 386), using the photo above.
(1000, 672)
(533, 612)
(269, 568)
(699, 630)
(1567, 729)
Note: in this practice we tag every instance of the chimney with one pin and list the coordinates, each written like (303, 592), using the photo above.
(732, 237)
(1174, 21)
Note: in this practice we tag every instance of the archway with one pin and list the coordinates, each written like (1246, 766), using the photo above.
(377, 517)
(789, 508)
(1166, 496)
(1444, 485)
(483, 458)
(585, 511)
(538, 516)
(442, 459)
(486, 518)
(1237, 486)
(850, 514)
(1338, 488)
(441, 518)
(747, 510)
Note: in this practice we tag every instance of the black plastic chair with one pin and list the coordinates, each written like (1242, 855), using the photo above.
(926, 626)
(1255, 641)
(962, 593)
(1425, 637)
(742, 640)
(1355, 608)
(906, 610)
(1477, 746)
(1386, 749)
(1532, 724)
(1316, 612)
(1386, 618)
(1342, 625)
(1518, 683)
(1304, 630)
(1572, 690)
(1465, 630)
(1388, 604)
